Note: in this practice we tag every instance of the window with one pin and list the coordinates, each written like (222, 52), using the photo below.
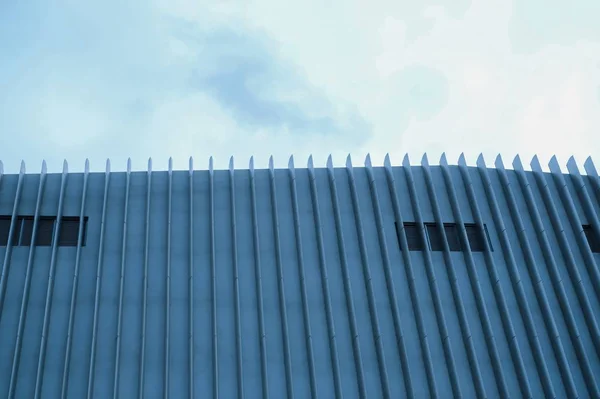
(452, 237)
(475, 237)
(435, 238)
(45, 231)
(592, 240)
(4, 229)
(69, 231)
(413, 238)
(23, 232)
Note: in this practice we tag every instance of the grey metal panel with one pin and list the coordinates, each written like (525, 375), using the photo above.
(281, 283)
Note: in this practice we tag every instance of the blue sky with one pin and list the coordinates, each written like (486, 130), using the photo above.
(195, 78)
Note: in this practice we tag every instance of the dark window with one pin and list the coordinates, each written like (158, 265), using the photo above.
(592, 240)
(69, 231)
(26, 231)
(435, 238)
(452, 237)
(476, 237)
(413, 238)
(436, 241)
(4, 230)
(45, 230)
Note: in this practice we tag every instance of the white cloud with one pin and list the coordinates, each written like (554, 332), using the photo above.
(427, 78)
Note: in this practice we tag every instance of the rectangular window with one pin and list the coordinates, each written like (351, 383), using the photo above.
(4, 229)
(476, 237)
(435, 238)
(45, 231)
(452, 237)
(413, 238)
(23, 232)
(26, 231)
(69, 231)
(592, 240)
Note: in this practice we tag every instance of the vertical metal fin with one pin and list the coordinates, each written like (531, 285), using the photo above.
(168, 284)
(236, 284)
(92, 364)
(259, 291)
(410, 278)
(517, 285)
(557, 278)
(590, 213)
(507, 324)
(393, 299)
(11, 233)
(347, 283)
(50, 288)
(325, 282)
(571, 265)
(191, 284)
(145, 282)
(65, 376)
(592, 173)
(301, 275)
(25, 299)
(281, 285)
(122, 284)
(432, 279)
(488, 331)
(540, 291)
(456, 292)
(213, 276)
(588, 257)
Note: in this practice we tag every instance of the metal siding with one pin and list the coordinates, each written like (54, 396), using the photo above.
(313, 294)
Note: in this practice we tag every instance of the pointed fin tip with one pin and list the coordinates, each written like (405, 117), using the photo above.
(498, 162)
(590, 168)
(443, 160)
(128, 165)
(65, 167)
(406, 160)
(210, 164)
(310, 162)
(481, 160)
(1, 168)
(572, 166)
(86, 167)
(44, 167)
(107, 165)
(349, 162)
(517, 164)
(588, 161)
(386, 161)
(231, 164)
(535, 163)
(329, 163)
(368, 163)
(291, 162)
(462, 161)
(424, 160)
(191, 164)
(22, 168)
(271, 166)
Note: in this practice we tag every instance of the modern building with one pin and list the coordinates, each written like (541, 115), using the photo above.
(396, 281)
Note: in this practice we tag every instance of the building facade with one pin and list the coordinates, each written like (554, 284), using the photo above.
(396, 281)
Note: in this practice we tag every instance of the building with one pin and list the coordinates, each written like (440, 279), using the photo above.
(396, 281)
